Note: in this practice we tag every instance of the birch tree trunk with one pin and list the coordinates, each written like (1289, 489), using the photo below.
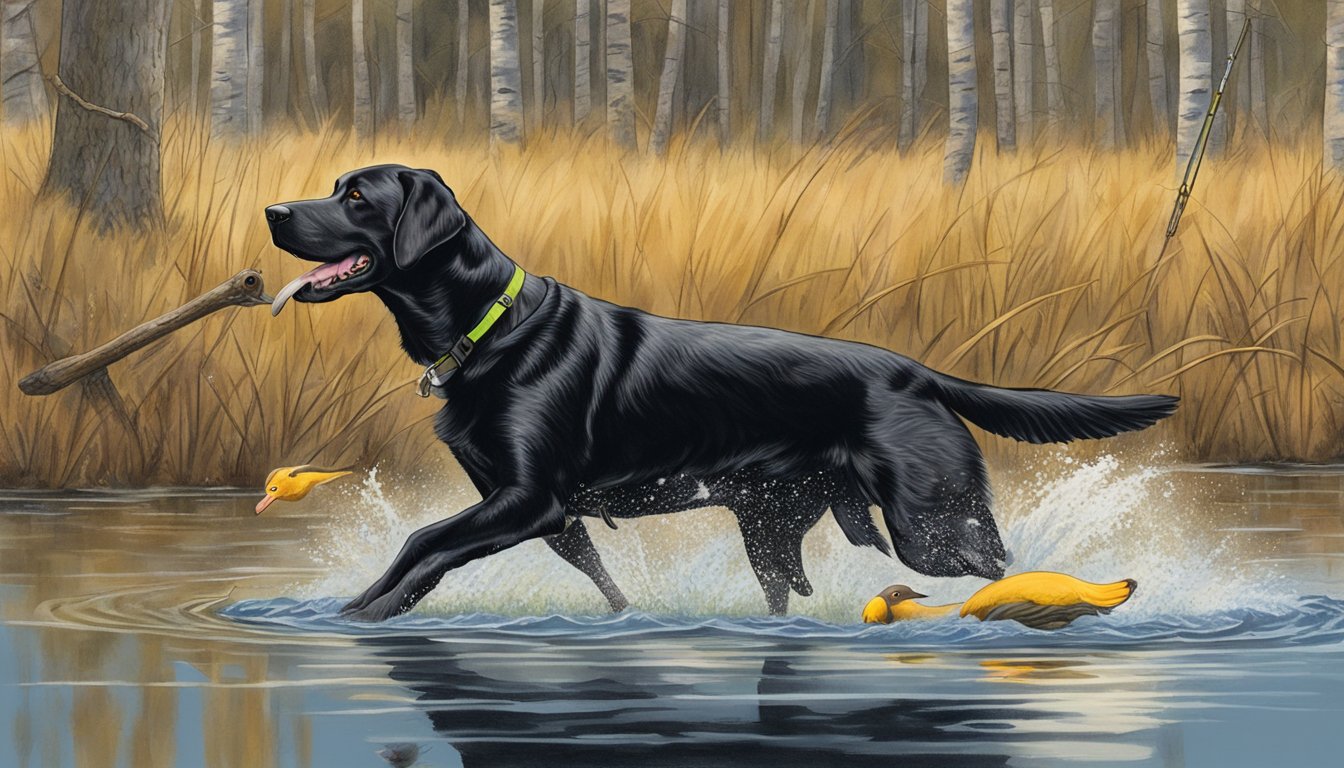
(620, 76)
(228, 69)
(826, 89)
(583, 76)
(1106, 69)
(1157, 69)
(113, 54)
(1054, 85)
(802, 73)
(406, 103)
(1192, 27)
(538, 62)
(1000, 36)
(23, 93)
(506, 73)
(460, 74)
(667, 84)
(961, 96)
(286, 55)
(1024, 75)
(317, 94)
(724, 63)
(256, 61)
(906, 132)
(198, 27)
(1258, 110)
(1334, 84)
(921, 58)
(362, 98)
(770, 70)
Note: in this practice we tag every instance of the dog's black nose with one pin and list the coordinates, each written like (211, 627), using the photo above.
(277, 213)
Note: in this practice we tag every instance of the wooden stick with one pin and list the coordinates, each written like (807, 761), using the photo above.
(242, 290)
(129, 117)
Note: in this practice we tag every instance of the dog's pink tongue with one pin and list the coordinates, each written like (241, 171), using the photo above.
(312, 277)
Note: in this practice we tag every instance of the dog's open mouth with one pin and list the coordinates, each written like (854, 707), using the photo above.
(322, 277)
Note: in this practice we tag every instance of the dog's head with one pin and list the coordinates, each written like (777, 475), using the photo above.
(378, 221)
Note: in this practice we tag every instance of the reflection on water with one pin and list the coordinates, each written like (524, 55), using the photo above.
(150, 630)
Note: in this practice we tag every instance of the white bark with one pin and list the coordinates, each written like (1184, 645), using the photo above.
(1024, 76)
(285, 59)
(1192, 28)
(961, 96)
(802, 73)
(1000, 35)
(770, 69)
(620, 76)
(1157, 69)
(583, 76)
(906, 132)
(921, 54)
(23, 93)
(1334, 84)
(256, 60)
(506, 74)
(826, 88)
(228, 69)
(362, 100)
(725, 73)
(1257, 109)
(667, 84)
(317, 94)
(460, 74)
(406, 106)
(1054, 86)
(1106, 69)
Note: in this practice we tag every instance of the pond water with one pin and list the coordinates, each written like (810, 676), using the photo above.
(174, 627)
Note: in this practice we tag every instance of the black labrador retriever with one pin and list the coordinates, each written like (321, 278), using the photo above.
(570, 407)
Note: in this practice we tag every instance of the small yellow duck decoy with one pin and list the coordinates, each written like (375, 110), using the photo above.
(293, 483)
(1038, 599)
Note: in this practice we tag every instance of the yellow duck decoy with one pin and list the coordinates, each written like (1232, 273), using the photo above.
(293, 483)
(1038, 599)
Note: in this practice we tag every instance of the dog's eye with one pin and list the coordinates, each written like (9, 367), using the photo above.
(355, 195)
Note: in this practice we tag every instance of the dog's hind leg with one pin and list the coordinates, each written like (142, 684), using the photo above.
(507, 516)
(576, 547)
(926, 472)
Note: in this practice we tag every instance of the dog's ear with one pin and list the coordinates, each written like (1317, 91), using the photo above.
(430, 216)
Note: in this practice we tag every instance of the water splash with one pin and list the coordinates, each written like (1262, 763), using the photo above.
(1103, 519)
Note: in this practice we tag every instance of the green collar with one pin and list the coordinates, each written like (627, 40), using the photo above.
(437, 375)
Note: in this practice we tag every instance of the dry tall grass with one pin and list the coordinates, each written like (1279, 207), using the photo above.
(1040, 272)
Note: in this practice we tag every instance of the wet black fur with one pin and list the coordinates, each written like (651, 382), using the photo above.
(572, 404)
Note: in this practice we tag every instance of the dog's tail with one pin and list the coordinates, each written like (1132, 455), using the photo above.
(1046, 416)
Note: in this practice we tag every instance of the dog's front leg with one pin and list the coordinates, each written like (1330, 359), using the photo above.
(506, 517)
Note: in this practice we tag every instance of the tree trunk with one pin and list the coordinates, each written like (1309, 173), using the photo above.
(1106, 71)
(583, 74)
(1157, 69)
(826, 88)
(506, 73)
(1000, 34)
(286, 55)
(198, 27)
(1024, 75)
(256, 63)
(802, 73)
(23, 93)
(113, 55)
(667, 84)
(1334, 84)
(317, 95)
(406, 104)
(921, 58)
(1192, 27)
(1238, 93)
(228, 69)
(620, 76)
(538, 63)
(906, 132)
(770, 70)
(1258, 108)
(725, 73)
(1054, 85)
(463, 40)
(961, 96)
(362, 93)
